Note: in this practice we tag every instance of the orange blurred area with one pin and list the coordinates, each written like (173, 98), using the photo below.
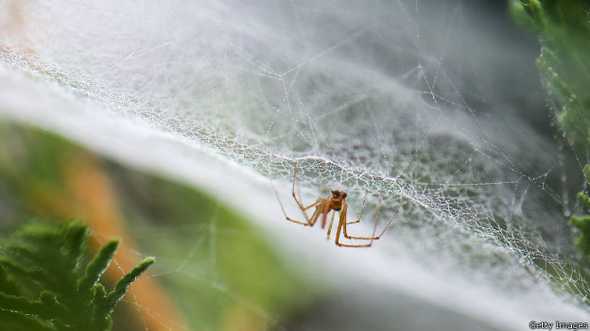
(88, 195)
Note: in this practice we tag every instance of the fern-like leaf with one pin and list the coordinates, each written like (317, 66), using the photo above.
(122, 285)
(97, 266)
(46, 283)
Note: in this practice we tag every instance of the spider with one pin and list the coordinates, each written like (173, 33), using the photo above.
(336, 203)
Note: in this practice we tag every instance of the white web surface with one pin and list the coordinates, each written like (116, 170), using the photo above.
(364, 96)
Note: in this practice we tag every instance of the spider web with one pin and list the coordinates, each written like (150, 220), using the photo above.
(391, 101)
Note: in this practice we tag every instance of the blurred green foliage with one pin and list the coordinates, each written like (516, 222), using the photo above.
(218, 268)
(583, 222)
(48, 282)
(31, 171)
(563, 27)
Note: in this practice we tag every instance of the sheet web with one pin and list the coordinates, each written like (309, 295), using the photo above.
(366, 97)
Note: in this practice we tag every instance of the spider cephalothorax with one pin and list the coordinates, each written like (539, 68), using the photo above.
(336, 200)
(336, 203)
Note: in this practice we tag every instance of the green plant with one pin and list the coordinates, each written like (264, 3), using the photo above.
(583, 222)
(563, 27)
(163, 218)
(48, 281)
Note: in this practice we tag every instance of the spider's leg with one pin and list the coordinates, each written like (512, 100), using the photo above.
(376, 220)
(308, 221)
(342, 224)
(331, 224)
(302, 208)
(293, 191)
(316, 214)
(311, 221)
(385, 228)
(325, 212)
(346, 235)
(298, 199)
(317, 202)
(361, 214)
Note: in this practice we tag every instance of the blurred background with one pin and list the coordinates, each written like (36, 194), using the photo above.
(170, 125)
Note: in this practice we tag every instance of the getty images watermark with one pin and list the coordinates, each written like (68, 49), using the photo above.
(557, 325)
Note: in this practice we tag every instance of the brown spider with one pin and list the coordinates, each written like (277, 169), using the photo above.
(323, 206)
